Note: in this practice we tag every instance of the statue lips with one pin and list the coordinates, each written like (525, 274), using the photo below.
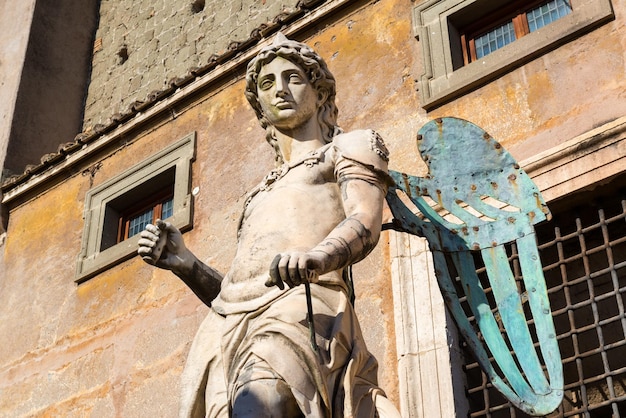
(283, 104)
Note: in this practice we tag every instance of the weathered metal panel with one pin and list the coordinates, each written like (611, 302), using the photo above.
(482, 201)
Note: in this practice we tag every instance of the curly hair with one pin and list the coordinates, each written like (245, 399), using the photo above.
(318, 74)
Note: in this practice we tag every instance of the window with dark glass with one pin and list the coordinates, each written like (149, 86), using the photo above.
(134, 220)
(128, 214)
(508, 24)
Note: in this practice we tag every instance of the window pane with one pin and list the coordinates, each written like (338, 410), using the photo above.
(139, 222)
(494, 39)
(168, 208)
(547, 13)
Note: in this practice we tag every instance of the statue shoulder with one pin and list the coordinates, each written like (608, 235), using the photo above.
(364, 146)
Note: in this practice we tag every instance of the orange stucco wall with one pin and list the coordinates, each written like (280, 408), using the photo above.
(115, 345)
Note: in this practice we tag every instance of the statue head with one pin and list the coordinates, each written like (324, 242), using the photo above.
(318, 75)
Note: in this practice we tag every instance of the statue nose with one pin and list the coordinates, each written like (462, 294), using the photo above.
(282, 88)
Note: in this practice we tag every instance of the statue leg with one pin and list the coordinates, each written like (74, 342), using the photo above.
(265, 398)
(203, 385)
(261, 393)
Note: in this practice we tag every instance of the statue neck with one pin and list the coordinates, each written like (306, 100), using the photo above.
(295, 143)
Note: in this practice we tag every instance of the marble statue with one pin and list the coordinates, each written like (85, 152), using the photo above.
(307, 222)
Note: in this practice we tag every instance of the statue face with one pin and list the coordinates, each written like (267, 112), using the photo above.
(287, 98)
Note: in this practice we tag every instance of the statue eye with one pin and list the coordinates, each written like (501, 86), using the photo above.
(265, 84)
(296, 79)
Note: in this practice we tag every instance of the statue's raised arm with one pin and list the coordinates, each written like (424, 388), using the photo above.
(163, 246)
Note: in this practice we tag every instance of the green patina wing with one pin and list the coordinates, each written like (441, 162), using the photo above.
(475, 200)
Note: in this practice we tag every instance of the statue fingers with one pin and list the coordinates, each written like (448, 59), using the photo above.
(275, 279)
(283, 269)
(293, 269)
(312, 276)
(146, 247)
(287, 268)
(148, 235)
(303, 270)
(165, 226)
(307, 270)
(153, 229)
(147, 241)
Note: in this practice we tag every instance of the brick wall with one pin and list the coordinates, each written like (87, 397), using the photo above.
(141, 44)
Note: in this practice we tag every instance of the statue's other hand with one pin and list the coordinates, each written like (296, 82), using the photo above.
(162, 245)
(294, 268)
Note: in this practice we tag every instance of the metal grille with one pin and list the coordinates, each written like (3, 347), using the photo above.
(583, 250)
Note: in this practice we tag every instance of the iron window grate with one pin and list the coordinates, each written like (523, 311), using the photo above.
(583, 251)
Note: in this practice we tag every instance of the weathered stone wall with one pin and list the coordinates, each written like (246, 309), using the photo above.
(115, 345)
(141, 45)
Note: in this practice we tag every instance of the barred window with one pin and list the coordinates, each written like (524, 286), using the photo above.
(583, 251)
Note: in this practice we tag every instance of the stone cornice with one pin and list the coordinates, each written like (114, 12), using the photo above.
(594, 156)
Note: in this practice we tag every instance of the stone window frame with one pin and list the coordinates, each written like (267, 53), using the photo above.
(441, 82)
(92, 260)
